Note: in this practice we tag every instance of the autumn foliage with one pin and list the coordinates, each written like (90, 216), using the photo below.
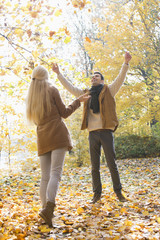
(75, 217)
(81, 36)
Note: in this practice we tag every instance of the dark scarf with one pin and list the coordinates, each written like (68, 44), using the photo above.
(94, 92)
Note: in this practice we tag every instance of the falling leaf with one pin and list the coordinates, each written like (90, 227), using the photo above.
(67, 40)
(66, 31)
(58, 13)
(88, 39)
(51, 33)
(29, 32)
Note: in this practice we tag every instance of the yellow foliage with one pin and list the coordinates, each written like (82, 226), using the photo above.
(44, 229)
(80, 210)
(35, 54)
(8, 4)
(34, 14)
(58, 12)
(67, 39)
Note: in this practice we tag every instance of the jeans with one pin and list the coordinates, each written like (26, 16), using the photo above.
(51, 171)
(105, 139)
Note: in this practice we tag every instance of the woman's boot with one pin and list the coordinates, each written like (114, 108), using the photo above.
(47, 213)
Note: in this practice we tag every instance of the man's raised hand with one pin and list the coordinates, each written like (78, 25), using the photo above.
(127, 57)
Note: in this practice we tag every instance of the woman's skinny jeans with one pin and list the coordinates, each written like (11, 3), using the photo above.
(51, 171)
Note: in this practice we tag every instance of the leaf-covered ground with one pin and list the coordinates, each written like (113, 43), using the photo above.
(75, 217)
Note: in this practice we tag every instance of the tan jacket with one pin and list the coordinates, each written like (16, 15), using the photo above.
(52, 132)
(107, 110)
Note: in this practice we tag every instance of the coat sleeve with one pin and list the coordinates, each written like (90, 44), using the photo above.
(72, 89)
(62, 109)
(117, 83)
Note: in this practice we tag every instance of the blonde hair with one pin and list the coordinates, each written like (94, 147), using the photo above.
(38, 100)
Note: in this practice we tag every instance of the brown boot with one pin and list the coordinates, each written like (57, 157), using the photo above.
(121, 197)
(96, 197)
(47, 213)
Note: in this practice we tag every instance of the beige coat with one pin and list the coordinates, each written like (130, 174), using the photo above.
(107, 110)
(52, 132)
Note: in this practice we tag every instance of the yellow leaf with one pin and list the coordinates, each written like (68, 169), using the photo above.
(67, 39)
(44, 229)
(63, 218)
(128, 223)
(35, 54)
(122, 228)
(13, 56)
(123, 210)
(16, 5)
(2, 73)
(158, 220)
(20, 192)
(58, 13)
(145, 213)
(46, 29)
(18, 31)
(8, 4)
(156, 98)
(18, 21)
(80, 210)
(107, 207)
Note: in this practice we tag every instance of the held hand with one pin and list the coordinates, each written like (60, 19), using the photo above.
(127, 57)
(84, 97)
(55, 68)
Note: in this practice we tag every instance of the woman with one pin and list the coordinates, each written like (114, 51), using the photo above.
(45, 108)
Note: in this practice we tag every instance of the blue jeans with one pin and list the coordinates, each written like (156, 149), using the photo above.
(105, 139)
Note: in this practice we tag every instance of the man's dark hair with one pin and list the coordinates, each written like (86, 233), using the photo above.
(102, 78)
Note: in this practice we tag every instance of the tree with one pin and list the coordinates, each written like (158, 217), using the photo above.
(132, 26)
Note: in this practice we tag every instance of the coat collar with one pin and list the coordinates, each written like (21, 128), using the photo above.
(105, 88)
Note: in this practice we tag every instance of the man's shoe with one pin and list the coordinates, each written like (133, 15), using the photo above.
(121, 197)
(96, 197)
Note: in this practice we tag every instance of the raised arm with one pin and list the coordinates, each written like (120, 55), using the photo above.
(73, 90)
(117, 83)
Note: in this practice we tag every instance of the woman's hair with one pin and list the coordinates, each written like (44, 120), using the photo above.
(38, 100)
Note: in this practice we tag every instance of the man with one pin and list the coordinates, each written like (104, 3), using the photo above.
(99, 117)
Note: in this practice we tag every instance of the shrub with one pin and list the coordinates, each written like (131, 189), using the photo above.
(134, 146)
